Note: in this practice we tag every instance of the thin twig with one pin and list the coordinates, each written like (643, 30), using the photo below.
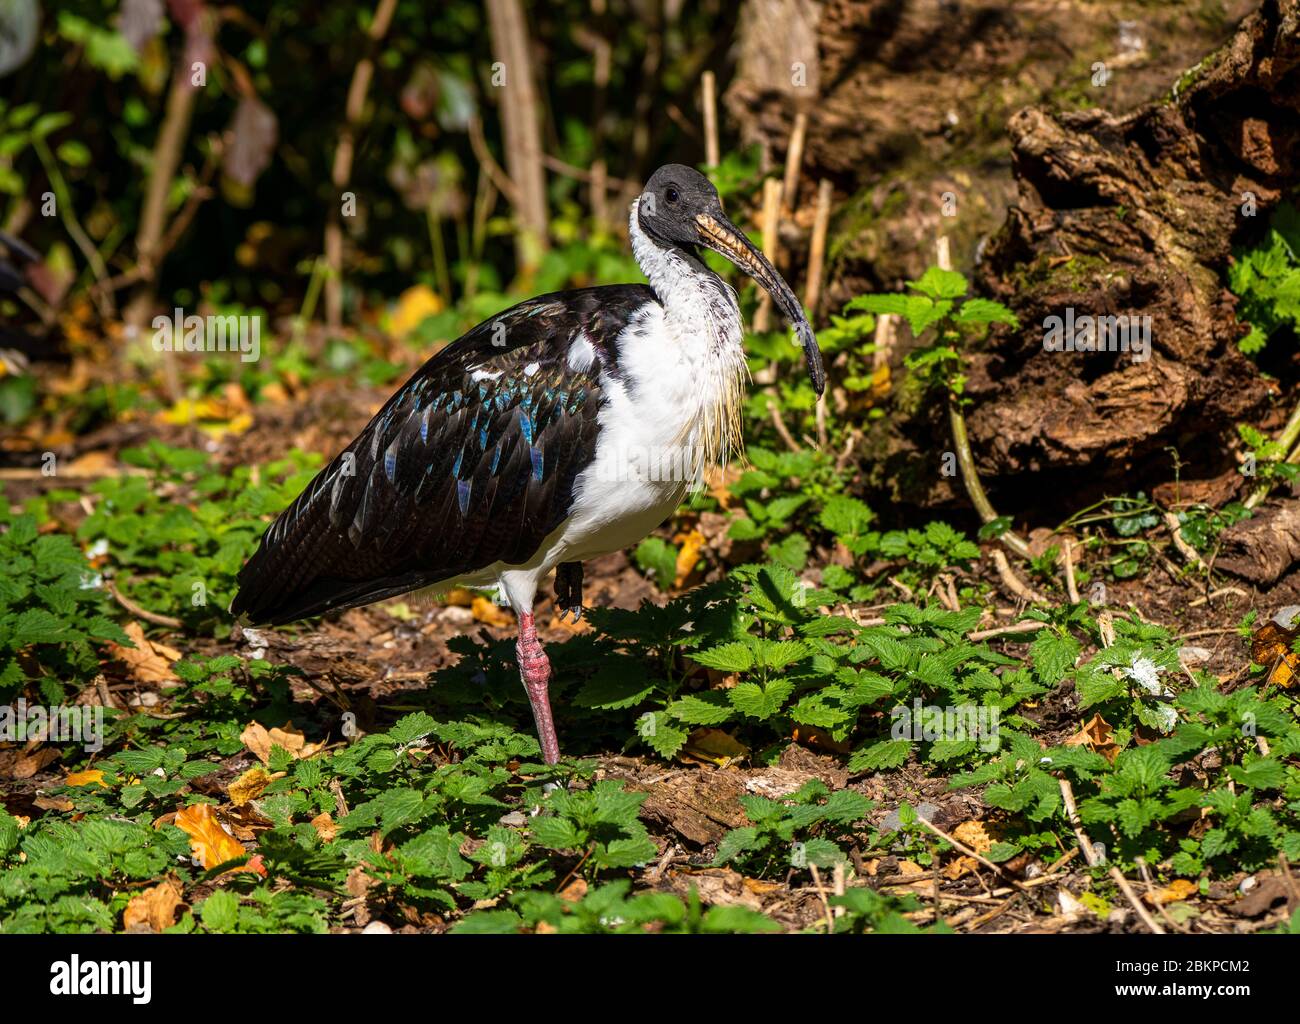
(817, 247)
(1012, 582)
(496, 174)
(821, 893)
(1071, 588)
(1090, 855)
(1011, 880)
(1186, 550)
(771, 246)
(1028, 626)
(156, 618)
(782, 430)
(709, 100)
(794, 160)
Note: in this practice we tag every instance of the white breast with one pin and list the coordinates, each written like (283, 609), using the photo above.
(671, 408)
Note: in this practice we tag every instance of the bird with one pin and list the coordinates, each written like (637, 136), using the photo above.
(566, 427)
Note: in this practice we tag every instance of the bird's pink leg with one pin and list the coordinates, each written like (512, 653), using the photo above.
(535, 671)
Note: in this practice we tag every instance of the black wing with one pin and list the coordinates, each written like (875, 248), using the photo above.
(471, 463)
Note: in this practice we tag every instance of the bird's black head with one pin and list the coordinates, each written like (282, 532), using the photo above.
(680, 207)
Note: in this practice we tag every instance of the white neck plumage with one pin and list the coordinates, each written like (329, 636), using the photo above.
(702, 318)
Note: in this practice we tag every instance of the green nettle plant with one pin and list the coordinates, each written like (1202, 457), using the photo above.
(1266, 278)
(807, 827)
(54, 613)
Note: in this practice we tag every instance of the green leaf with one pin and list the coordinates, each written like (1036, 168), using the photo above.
(938, 283)
(732, 657)
(879, 756)
(705, 709)
(220, 911)
(761, 702)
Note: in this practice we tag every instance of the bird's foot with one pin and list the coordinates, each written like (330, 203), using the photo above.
(568, 590)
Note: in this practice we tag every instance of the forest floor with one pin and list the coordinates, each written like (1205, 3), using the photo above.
(375, 672)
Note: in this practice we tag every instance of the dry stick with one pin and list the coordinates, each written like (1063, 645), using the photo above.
(1090, 855)
(838, 883)
(882, 341)
(771, 224)
(496, 174)
(1014, 882)
(162, 169)
(1160, 907)
(1012, 582)
(156, 618)
(812, 291)
(341, 171)
(782, 430)
(794, 161)
(965, 457)
(1019, 627)
(520, 120)
(1186, 550)
(554, 163)
(1220, 592)
(817, 247)
(709, 100)
(1071, 589)
(821, 893)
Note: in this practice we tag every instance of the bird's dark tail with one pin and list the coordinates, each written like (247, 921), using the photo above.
(306, 566)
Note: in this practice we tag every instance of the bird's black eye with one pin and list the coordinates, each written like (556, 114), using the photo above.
(671, 194)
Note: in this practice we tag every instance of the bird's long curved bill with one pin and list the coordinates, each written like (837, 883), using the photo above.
(720, 235)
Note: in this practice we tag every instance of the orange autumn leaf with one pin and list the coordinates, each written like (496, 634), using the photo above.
(325, 827)
(975, 835)
(1271, 647)
(1095, 735)
(92, 776)
(147, 662)
(209, 842)
(154, 907)
(249, 786)
(1178, 889)
(259, 739)
(688, 555)
(492, 614)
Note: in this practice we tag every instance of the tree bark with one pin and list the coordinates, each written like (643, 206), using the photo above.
(520, 120)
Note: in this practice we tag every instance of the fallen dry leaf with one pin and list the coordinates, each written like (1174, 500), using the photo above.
(1095, 734)
(259, 740)
(412, 307)
(492, 614)
(688, 555)
(715, 746)
(92, 776)
(574, 891)
(249, 785)
(155, 907)
(209, 842)
(325, 827)
(960, 867)
(147, 665)
(1271, 647)
(973, 834)
(1178, 889)
(29, 764)
(52, 803)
